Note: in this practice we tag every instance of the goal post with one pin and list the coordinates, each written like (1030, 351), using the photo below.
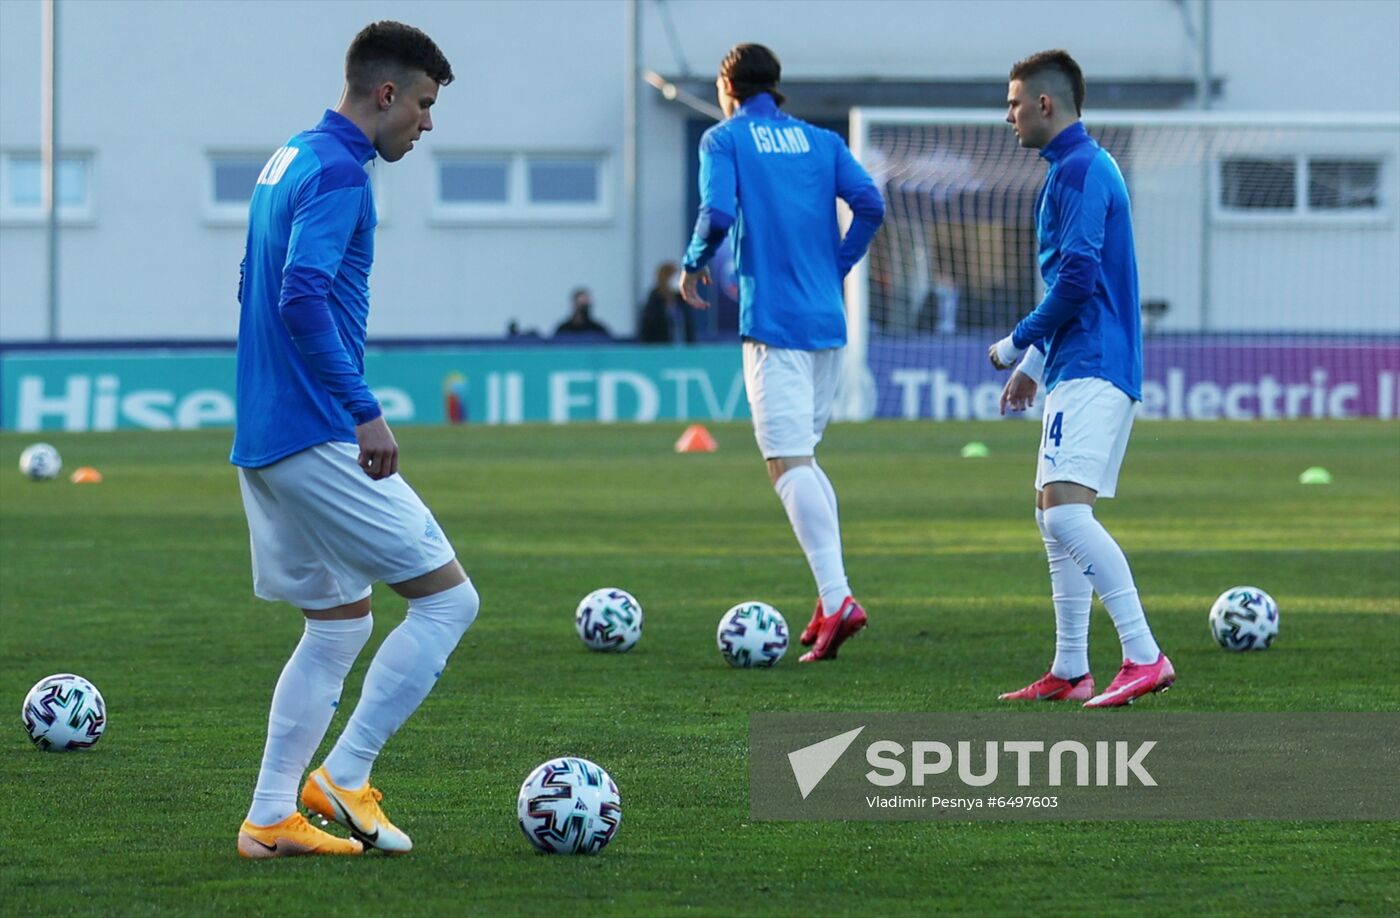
(1265, 244)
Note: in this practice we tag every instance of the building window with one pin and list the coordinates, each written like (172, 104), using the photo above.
(1302, 186)
(233, 178)
(521, 188)
(229, 182)
(1344, 184)
(1258, 184)
(563, 181)
(474, 181)
(22, 187)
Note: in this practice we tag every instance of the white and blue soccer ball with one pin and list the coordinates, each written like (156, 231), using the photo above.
(752, 634)
(1244, 618)
(63, 712)
(609, 620)
(40, 462)
(569, 806)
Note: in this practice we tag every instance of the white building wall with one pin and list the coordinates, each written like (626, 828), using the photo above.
(1336, 271)
(150, 88)
(187, 79)
(920, 39)
(1263, 271)
(1168, 220)
(1307, 55)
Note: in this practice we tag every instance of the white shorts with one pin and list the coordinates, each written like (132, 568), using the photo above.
(791, 394)
(322, 531)
(1084, 435)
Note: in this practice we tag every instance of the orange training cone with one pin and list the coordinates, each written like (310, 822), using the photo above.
(85, 475)
(696, 439)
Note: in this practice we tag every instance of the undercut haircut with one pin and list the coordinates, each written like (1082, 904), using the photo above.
(751, 69)
(385, 51)
(1063, 71)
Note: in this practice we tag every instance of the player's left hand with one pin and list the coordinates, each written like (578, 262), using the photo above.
(1004, 353)
(690, 287)
(1019, 393)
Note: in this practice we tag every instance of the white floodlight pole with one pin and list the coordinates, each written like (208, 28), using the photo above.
(48, 153)
(856, 393)
(1203, 100)
(631, 155)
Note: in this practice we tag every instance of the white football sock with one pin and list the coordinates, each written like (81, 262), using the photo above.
(830, 493)
(403, 671)
(815, 525)
(1072, 595)
(302, 706)
(1102, 561)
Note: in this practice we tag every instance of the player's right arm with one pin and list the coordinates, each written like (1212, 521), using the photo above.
(325, 216)
(379, 451)
(719, 202)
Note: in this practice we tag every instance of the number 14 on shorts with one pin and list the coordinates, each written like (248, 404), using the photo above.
(1054, 430)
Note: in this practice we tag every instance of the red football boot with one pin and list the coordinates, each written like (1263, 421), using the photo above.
(1051, 687)
(809, 634)
(1135, 680)
(835, 630)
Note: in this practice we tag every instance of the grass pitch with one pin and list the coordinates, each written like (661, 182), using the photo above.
(142, 585)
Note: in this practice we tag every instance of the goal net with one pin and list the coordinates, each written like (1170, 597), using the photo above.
(1268, 261)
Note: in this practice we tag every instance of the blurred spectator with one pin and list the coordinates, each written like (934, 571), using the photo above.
(948, 295)
(666, 319)
(580, 322)
(513, 330)
(939, 310)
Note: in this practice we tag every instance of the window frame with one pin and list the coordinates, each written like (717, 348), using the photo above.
(1305, 191)
(518, 209)
(462, 158)
(12, 214)
(1302, 213)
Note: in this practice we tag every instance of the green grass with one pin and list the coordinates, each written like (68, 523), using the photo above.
(142, 584)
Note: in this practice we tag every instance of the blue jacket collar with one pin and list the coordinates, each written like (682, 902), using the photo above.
(348, 133)
(1065, 141)
(761, 105)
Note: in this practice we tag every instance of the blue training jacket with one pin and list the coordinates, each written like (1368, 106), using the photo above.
(1088, 325)
(776, 179)
(304, 297)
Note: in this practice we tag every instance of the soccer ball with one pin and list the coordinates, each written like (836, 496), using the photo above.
(609, 620)
(1244, 618)
(40, 462)
(752, 634)
(569, 806)
(63, 712)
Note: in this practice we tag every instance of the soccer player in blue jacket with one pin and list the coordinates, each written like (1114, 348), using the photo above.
(774, 181)
(1084, 341)
(328, 513)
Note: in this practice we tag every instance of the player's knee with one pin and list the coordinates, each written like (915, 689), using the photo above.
(781, 465)
(467, 603)
(452, 611)
(1063, 521)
